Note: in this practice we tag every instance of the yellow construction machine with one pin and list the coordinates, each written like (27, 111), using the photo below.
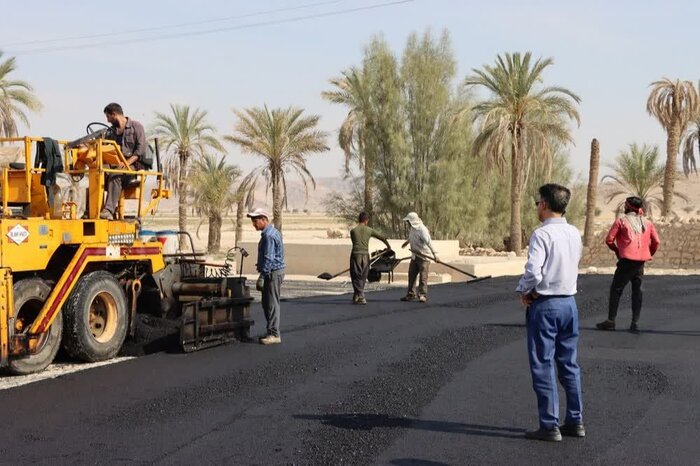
(69, 278)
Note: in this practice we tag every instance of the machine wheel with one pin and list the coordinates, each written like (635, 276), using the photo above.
(95, 318)
(30, 295)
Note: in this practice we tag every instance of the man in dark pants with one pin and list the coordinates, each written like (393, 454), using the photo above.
(271, 267)
(634, 241)
(547, 290)
(359, 258)
(131, 137)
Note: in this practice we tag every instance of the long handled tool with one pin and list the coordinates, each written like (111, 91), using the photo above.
(374, 257)
(475, 278)
(328, 276)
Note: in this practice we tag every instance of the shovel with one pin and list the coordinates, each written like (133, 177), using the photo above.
(476, 279)
(375, 255)
(328, 276)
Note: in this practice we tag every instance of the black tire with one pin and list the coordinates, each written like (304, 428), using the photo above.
(95, 318)
(30, 295)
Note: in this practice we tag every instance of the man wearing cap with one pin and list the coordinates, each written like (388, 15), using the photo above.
(359, 257)
(270, 265)
(421, 251)
(634, 241)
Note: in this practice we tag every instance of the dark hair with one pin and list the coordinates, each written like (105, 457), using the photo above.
(113, 109)
(363, 217)
(635, 202)
(556, 196)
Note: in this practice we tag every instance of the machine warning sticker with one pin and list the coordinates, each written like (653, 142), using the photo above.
(112, 251)
(18, 234)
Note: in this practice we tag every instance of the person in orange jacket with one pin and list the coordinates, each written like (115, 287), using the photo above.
(634, 240)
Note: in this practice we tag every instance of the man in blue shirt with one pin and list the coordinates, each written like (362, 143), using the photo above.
(270, 265)
(547, 290)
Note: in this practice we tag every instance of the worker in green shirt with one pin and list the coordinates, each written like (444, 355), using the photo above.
(359, 258)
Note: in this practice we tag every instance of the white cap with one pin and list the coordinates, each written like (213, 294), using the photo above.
(259, 212)
(413, 219)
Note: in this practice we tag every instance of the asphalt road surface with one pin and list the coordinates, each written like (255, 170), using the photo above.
(446, 382)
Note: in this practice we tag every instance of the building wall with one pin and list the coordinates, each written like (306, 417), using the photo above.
(680, 248)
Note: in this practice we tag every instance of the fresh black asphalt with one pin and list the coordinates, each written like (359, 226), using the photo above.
(446, 382)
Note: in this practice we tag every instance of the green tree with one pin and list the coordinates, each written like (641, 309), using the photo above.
(385, 135)
(184, 133)
(15, 97)
(416, 130)
(351, 92)
(637, 172)
(520, 121)
(674, 105)
(283, 138)
(213, 194)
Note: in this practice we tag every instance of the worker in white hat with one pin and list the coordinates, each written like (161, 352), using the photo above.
(421, 251)
(271, 268)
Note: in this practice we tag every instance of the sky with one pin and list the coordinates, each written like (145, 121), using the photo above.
(283, 52)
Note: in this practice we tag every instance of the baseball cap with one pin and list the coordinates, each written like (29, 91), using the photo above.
(259, 212)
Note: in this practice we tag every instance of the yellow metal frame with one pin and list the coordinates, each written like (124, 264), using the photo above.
(93, 159)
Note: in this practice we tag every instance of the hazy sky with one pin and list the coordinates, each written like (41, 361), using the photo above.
(607, 52)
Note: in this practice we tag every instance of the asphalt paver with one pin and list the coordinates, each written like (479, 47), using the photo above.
(444, 382)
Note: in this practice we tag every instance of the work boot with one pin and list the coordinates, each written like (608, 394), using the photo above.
(409, 297)
(106, 215)
(422, 298)
(606, 325)
(271, 340)
(634, 327)
(572, 430)
(548, 435)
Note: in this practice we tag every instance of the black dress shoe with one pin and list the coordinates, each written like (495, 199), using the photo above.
(634, 328)
(548, 435)
(606, 325)
(572, 430)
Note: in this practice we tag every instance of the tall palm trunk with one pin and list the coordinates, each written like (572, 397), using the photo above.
(516, 191)
(239, 219)
(182, 198)
(277, 197)
(214, 237)
(592, 192)
(672, 142)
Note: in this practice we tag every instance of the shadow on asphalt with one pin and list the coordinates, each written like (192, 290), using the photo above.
(359, 421)
(416, 462)
(506, 325)
(684, 333)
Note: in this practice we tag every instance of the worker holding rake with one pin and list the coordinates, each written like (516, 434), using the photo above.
(359, 258)
(421, 250)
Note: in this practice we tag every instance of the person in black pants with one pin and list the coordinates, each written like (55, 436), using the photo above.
(634, 240)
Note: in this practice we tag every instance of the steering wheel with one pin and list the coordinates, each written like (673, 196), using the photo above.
(90, 128)
(92, 134)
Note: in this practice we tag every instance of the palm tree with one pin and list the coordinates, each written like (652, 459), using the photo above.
(212, 182)
(520, 121)
(283, 138)
(592, 193)
(351, 92)
(674, 105)
(14, 95)
(184, 134)
(637, 172)
(692, 138)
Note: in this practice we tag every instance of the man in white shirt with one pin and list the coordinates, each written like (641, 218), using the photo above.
(422, 251)
(547, 290)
